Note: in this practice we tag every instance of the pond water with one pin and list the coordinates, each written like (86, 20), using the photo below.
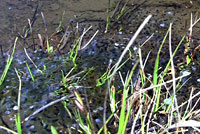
(15, 14)
(105, 46)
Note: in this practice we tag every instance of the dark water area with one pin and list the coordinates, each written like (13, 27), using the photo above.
(14, 16)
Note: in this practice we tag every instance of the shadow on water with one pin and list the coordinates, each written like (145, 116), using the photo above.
(103, 47)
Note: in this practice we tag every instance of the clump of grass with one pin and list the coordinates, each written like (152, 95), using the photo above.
(118, 12)
(138, 98)
(78, 46)
(135, 103)
(155, 101)
(125, 90)
(74, 52)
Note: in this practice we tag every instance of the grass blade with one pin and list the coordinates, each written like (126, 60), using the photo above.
(30, 72)
(155, 73)
(17, 117)
(9, 61)
(53, 130)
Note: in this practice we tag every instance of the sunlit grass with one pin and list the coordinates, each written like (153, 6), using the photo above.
(17, 117)
(131, 104)
(8, 63)
(123, 120)
(53, 130)
(30, 72)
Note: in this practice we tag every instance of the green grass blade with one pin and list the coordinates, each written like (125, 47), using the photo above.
(74, 52)
(59, 28)
(18, 123)
(30, 72)
(156, 67)
(109, 118)
(107, 23)
(122, 121)
(17, 118)
(165, 72)
(169, 62)
(102, 80)
(155, 73)
(9, 61)
(81, 123)
(53, 130)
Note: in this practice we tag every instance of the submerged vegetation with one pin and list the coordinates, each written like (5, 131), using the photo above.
(132, 102)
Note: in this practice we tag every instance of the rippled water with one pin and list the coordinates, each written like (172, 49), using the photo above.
(103, 47)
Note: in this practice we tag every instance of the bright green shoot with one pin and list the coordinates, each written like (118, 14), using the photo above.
(164, 74)
(85, 128)
(59, 28)
(30, 72)
(44, 67)
(156, 67)
(26, 32)
(9, 61)
(65, 104)
(53, 130)
(64, 79)
(17, 117)
(49, 48)
(18, 123)
(107, 23)
(108, 17)
(155, 73)
(74, 52)
(122, 11)
(106, 76)
(143, 77)
(123, 120)
(187, 49)
(102, 79)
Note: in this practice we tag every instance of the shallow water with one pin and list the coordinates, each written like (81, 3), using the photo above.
(15, 14)
(104, 47)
